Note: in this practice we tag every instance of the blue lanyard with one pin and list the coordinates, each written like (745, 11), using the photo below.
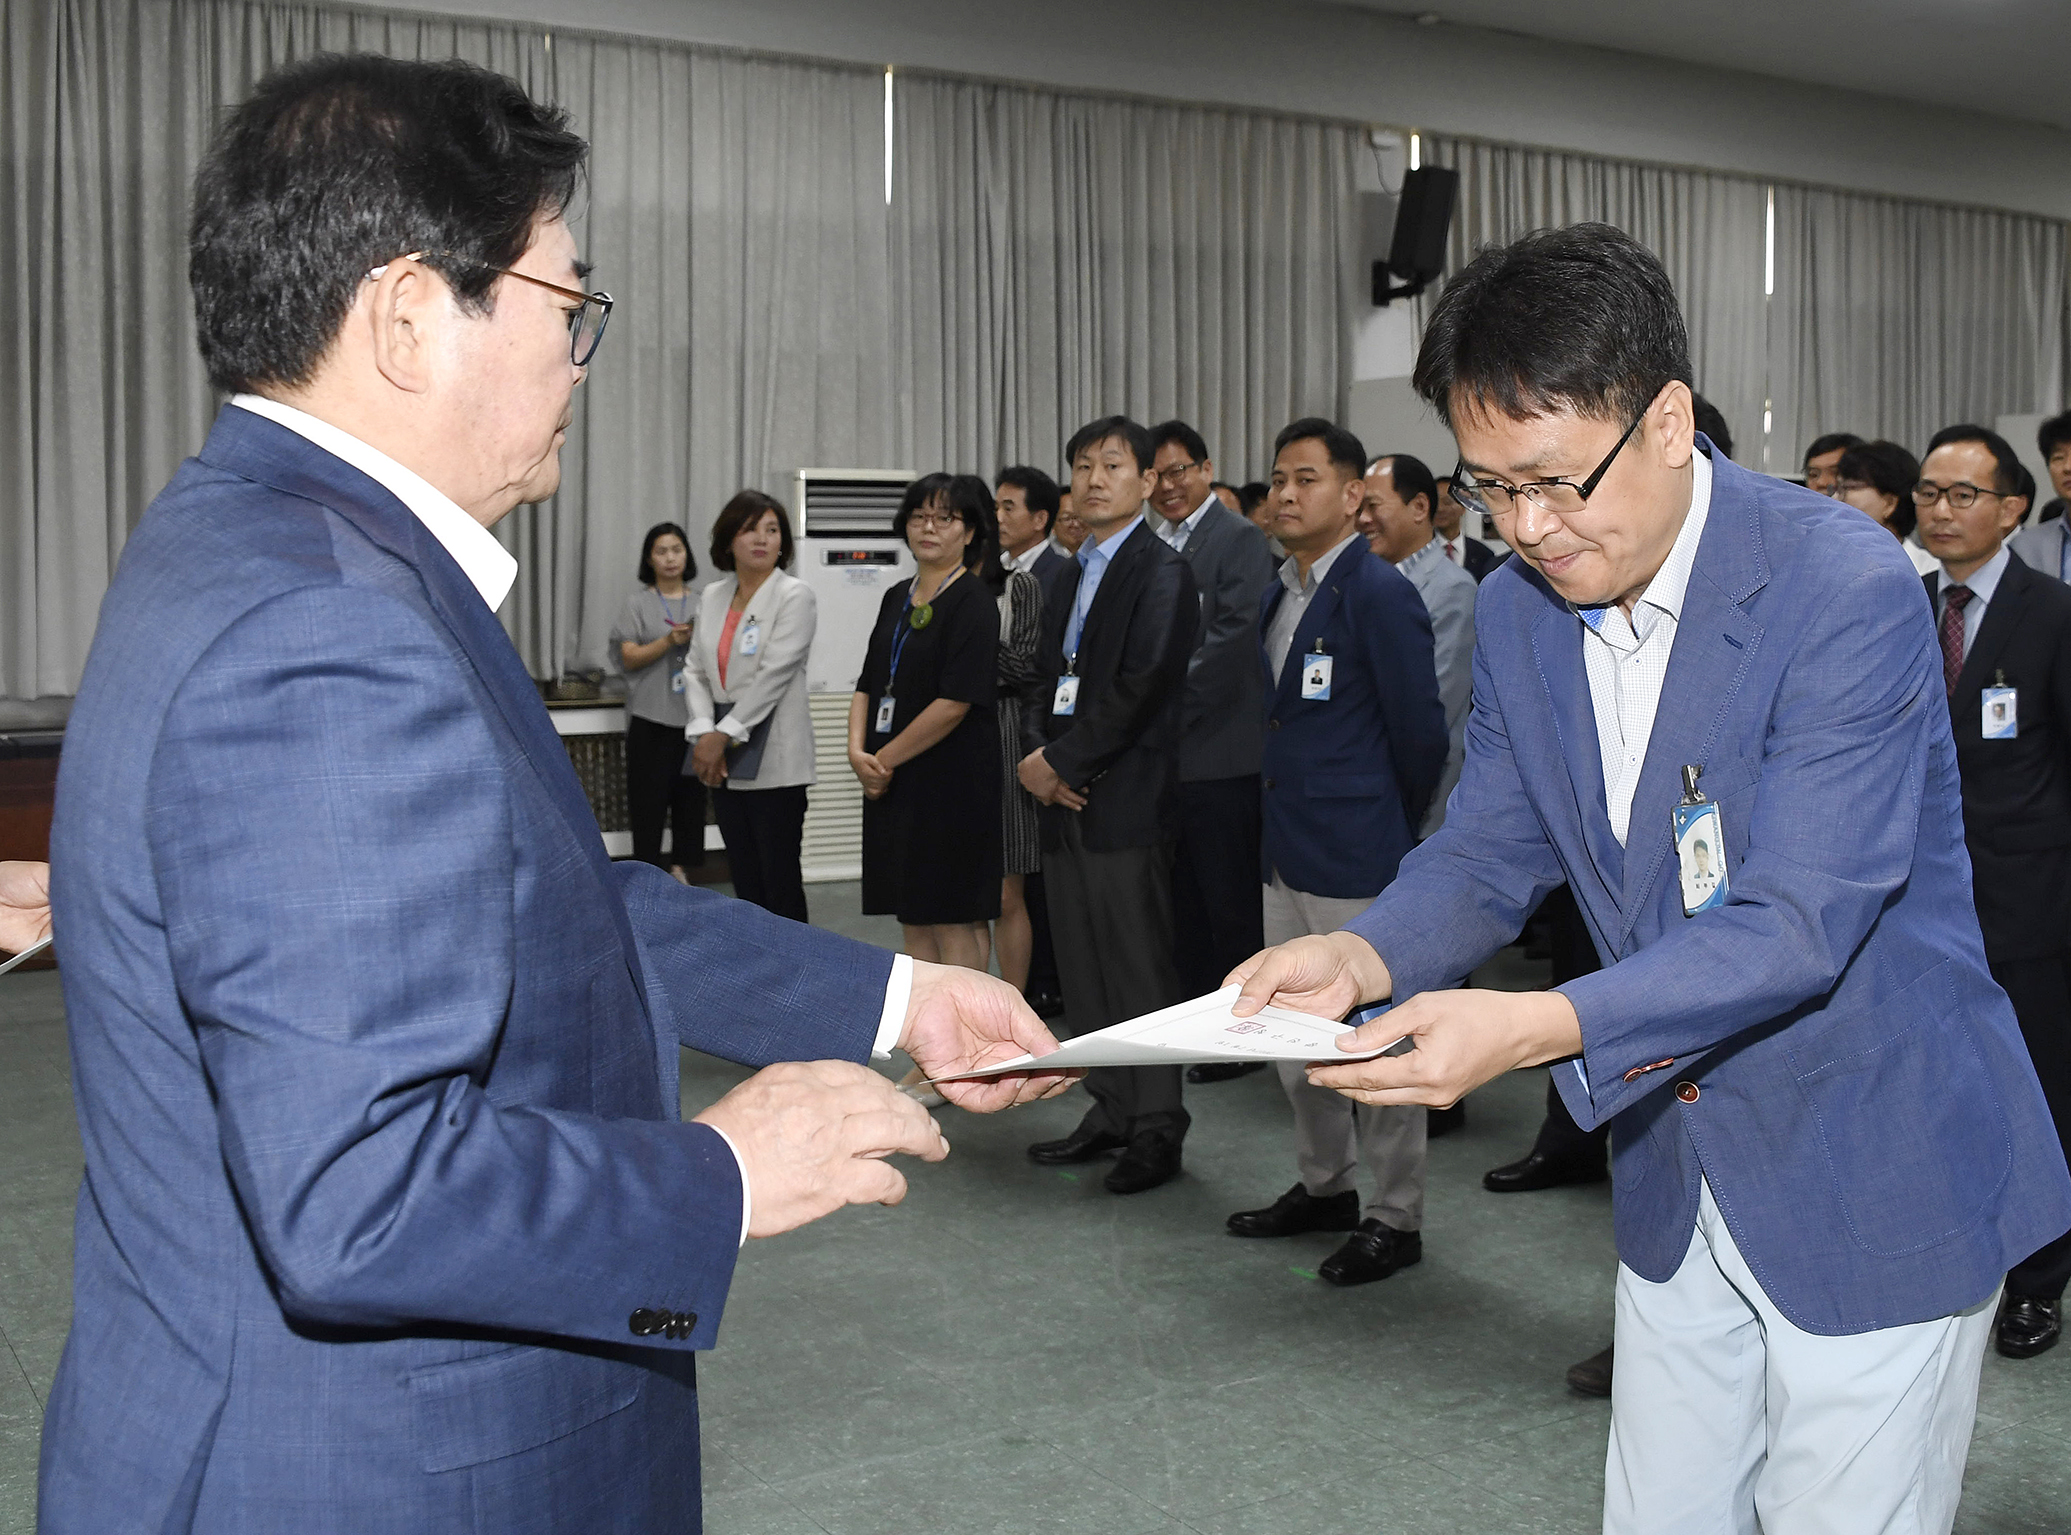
(671, 618)
(1080, 607)
(904, 632)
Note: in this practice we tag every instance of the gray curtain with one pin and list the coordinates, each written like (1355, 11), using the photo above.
(1894, 319)
(736, 211)
(1889, 318)
(1706, 228)
(1058, 257)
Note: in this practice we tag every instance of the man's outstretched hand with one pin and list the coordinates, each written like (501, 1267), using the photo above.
(813, 1136)
(1327, 974)
(965, 1020)
(25, 905)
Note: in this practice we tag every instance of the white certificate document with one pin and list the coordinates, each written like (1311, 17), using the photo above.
(1201, 1030)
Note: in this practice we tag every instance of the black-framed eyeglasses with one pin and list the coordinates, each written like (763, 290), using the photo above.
(1183, 468)
(1496, 498)
(586, 321)
(1962, 495)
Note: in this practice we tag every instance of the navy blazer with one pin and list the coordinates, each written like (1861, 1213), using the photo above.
(1346, 780)
(375, 1051)
(1847, 1076)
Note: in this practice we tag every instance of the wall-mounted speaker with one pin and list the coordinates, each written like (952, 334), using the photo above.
(1423, 218)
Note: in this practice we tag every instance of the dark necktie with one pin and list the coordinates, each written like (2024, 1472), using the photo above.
(1954, 600)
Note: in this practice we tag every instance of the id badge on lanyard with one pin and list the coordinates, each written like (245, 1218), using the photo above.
(884, 714)
(751, 638)
(1700, 847)
(1316, 675)
(1066, 699)
(2002, 714)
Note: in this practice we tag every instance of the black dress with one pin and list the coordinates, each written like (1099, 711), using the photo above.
(931, 846)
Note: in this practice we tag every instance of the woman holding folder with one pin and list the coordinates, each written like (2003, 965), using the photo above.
(751, 733)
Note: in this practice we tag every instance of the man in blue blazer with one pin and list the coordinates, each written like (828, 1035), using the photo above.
(1355, 744)
(1828, 1143)
(389, 1221)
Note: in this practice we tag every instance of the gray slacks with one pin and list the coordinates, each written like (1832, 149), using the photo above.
(1111, 925)
(1333, 1135)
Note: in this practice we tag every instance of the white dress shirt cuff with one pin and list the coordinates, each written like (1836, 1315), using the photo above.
(898, 991)
(733, 727)
(747, 1199)
(697, 727)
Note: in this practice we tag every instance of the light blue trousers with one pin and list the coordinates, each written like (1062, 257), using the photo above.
(1728, 1420)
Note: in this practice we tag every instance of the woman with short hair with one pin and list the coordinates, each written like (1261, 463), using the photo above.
(923, 735)
(1877, 479)
(650, 639)
(750, 724)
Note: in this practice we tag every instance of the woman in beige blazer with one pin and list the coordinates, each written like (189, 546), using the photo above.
(750, 730)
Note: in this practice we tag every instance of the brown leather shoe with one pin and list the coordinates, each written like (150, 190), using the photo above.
(1592, 1377)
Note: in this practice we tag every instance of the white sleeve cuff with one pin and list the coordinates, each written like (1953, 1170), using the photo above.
(1583, 1077)
(733, 727)
(891, 1023)
(697, 727)
(747, 1199)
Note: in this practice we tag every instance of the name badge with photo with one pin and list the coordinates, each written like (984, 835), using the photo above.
(1066, 699)
(1700, 850)
(2002, 721)
(1316, 676)
(884, 714)
(751, 638)
(676, 680)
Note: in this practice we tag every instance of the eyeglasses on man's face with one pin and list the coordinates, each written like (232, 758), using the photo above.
(586, 321)
(1962, 495)
(1498, 498)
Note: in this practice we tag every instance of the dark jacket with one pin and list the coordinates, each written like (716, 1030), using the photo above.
(1120, 747)
(2017, 793)
(1479, 559)
(1050, 570)
(1221, 729)
(1347, 779)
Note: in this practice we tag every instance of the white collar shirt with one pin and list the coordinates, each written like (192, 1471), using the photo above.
(488, 566)
(1026, 559)
(1294, 603)
(1627, 659)
(1983, 583)
(1177, 533)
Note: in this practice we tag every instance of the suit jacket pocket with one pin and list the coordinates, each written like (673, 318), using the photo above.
(1347, 786)
(516, 1399)
(1915, 1138)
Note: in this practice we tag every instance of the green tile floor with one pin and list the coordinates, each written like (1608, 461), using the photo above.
(1016, 1350)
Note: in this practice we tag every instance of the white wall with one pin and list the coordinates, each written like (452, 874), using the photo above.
(1300, 56)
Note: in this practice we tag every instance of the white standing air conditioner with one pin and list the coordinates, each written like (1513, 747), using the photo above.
(850, 557)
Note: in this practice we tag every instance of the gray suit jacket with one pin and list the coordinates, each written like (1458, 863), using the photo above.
(1448, 593)
(1222, 722)
(2042, 547)
(769, 685)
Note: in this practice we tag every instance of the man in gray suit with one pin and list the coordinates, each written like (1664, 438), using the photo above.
(2043, 546)
(1217, 914)
(1395, 517)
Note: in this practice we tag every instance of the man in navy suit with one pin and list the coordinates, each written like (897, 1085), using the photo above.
(1355, 745)
(1829, 1145)
(389, 1221)
(1026, 502)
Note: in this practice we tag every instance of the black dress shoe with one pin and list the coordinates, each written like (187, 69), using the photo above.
(1373, 1252)
(2028, 1326)
(1151, 1158)
(1082, 1145)
(1540, 1171)
(1045, 1004)
(1296, 1211)
(1222, 1071)
(1439, 1122)
(1592, 1377)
